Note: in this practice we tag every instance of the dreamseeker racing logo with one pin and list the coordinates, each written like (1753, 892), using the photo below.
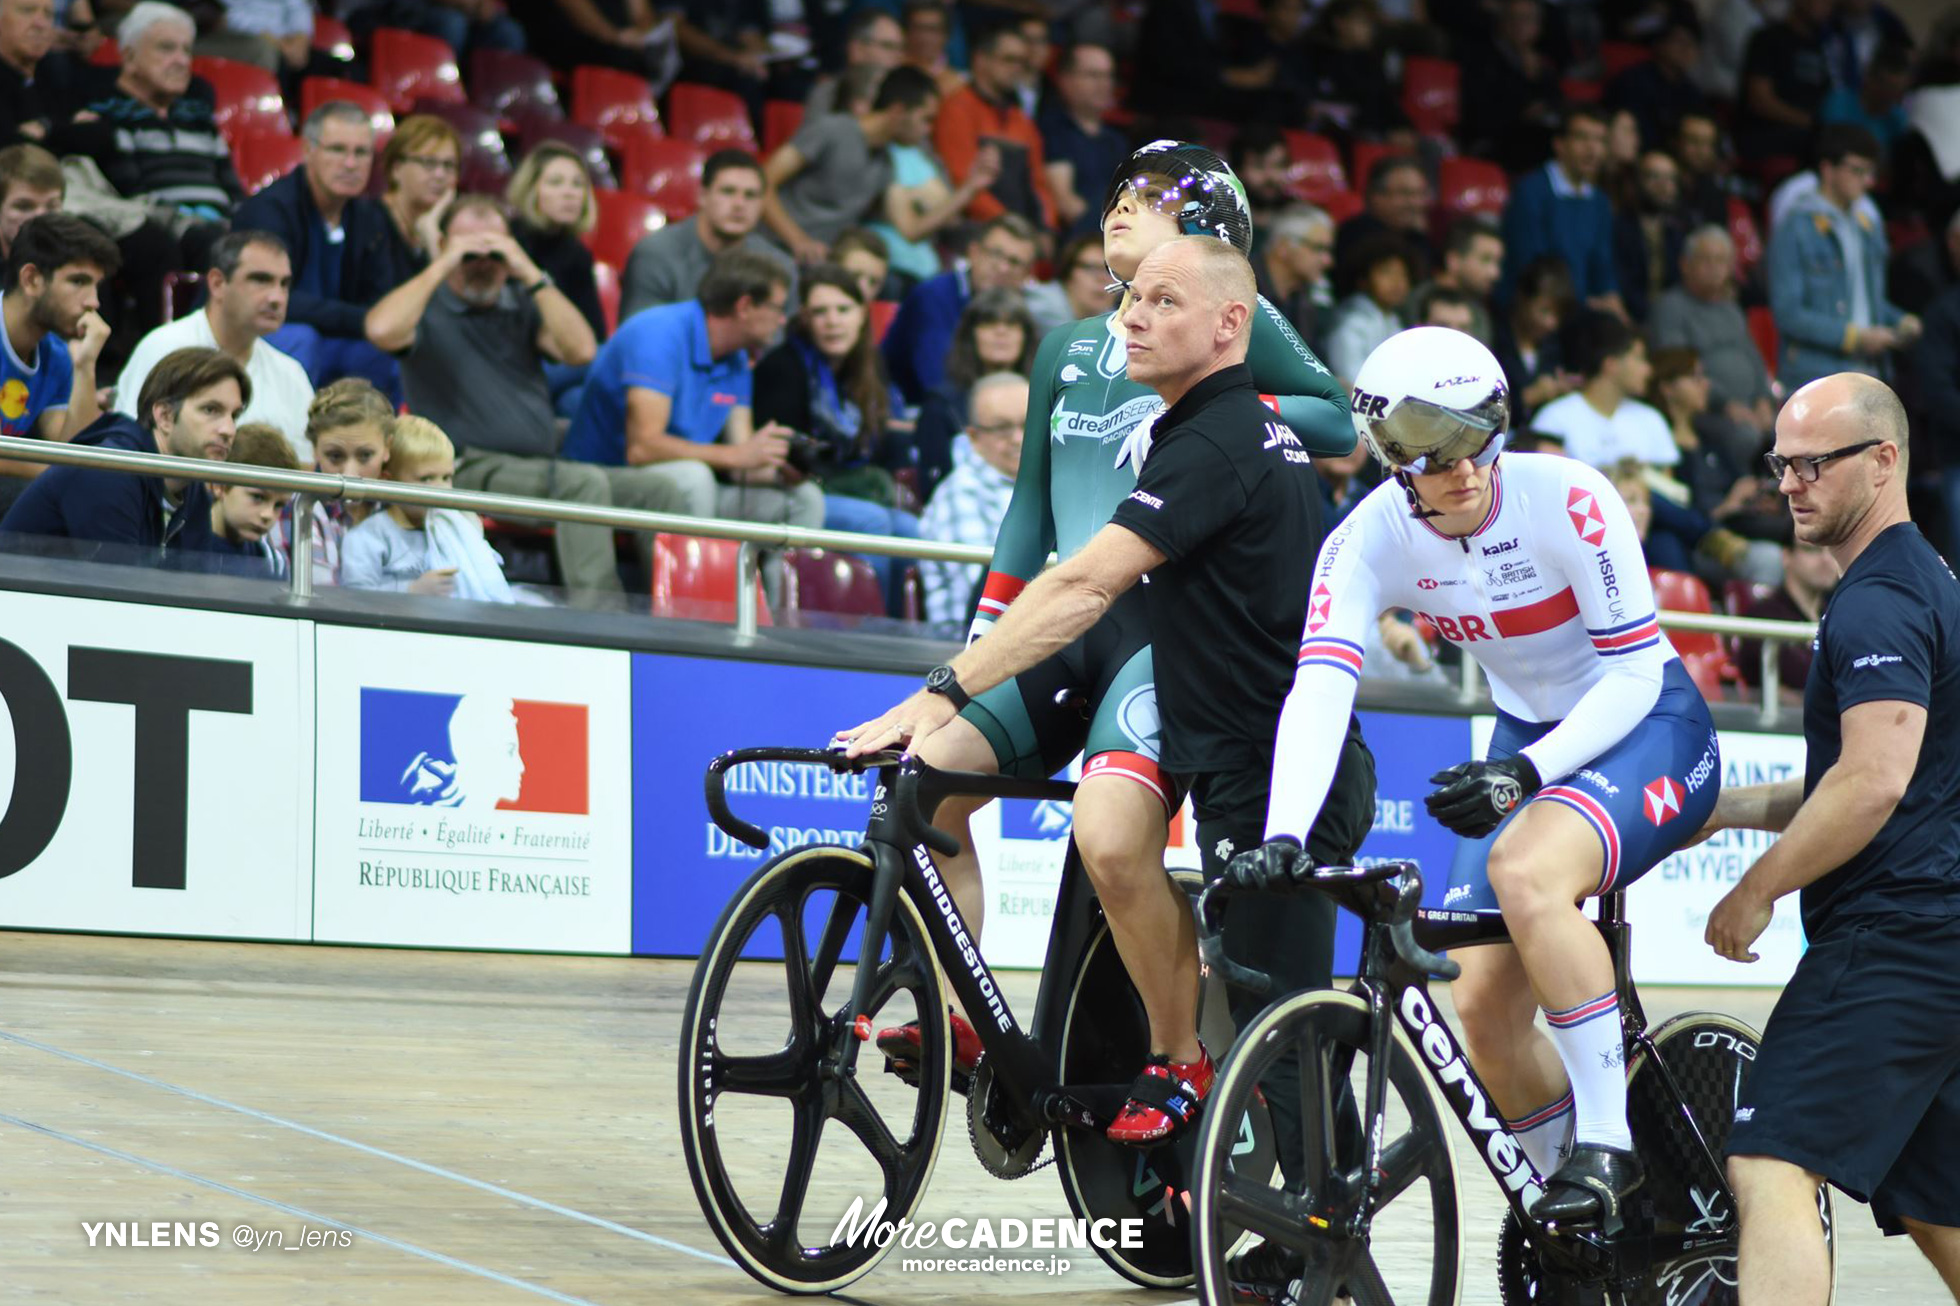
(1065, 424)
(859, 1228)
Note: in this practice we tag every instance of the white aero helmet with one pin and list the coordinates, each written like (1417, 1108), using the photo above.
(1429, 397)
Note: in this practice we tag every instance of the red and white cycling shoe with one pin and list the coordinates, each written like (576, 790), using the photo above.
(900, 1044)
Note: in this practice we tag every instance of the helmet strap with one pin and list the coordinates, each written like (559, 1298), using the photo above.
(1417, 509)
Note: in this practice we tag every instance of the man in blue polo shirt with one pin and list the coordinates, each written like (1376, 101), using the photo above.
(666, 411)
(1857, 1081)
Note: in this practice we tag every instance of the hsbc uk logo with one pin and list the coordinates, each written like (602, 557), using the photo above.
(1320, 609)
(1662, 799)
(1582, 505)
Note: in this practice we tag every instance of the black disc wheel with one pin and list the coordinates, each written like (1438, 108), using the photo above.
(798, 1143)
(1314, 1049)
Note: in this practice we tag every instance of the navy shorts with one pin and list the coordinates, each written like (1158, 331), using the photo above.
(1858, 1076)
(1644, 797)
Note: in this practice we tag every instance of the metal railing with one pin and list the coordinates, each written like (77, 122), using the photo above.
(753, 536)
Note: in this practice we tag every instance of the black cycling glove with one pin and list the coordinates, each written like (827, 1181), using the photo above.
(1475, 796)
(1276, 864)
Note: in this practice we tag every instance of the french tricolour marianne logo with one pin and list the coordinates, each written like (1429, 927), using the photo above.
(473, 751)
(1583, 507)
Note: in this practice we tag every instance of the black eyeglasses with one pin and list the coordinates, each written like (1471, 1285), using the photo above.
(1811, 466)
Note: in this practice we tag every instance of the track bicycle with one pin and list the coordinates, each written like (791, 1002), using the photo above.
(824, 943)
(1375, 1217)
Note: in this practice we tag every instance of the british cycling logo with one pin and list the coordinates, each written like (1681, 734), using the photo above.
(1876, 660)
(475, 752)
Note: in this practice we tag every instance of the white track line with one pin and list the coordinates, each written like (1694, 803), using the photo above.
(311, 1217)
(536, 1203)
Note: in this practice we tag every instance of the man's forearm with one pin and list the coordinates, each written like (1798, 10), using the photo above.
(569, 334)
(1841, 816)
(1759, 807)
(82, 406)
(390, 324)
(1046, 618)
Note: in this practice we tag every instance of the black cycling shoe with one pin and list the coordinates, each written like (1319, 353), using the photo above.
(1264, 1275)
(1590, 1187)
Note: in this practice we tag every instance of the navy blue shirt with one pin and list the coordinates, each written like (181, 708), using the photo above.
(1891, 632)
(1095, 159)
(87, 503)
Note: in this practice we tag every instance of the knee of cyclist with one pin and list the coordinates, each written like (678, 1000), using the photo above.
(1112, 858)
(1519, 883)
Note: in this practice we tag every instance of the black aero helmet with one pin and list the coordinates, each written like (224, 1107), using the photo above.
(1190, 184)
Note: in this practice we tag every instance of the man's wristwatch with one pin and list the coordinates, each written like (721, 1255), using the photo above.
(941, 680)
(544, 279)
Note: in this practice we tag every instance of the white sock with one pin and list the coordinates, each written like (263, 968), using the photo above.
(1546, 1135)
(1590, 1042)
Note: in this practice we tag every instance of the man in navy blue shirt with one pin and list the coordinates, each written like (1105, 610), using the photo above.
(1082, 150)
(1858, 1078)
(1561, 209)
(921, 335)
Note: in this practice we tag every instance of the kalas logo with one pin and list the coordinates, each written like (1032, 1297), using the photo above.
(473, 751)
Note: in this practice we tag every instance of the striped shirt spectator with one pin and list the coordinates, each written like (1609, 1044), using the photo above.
(969, 504)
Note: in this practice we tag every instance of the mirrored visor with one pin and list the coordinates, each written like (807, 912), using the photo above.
(1421, 437)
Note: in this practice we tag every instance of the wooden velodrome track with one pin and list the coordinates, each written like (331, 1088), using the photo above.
(473, 1128)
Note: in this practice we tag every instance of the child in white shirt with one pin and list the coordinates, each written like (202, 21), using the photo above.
(423, 550)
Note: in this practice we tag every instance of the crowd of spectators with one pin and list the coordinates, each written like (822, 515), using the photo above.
(1701, 207)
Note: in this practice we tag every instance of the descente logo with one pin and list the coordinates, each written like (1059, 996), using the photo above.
(1147, 500)
(1877, 660)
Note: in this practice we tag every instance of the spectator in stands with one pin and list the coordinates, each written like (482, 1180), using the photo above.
(922, 202)
(1878, 103)
(1785, 77)
(624, 34)
(1704, 169)
(550, 196)
(969, 504)
(1378, 277)
(1082, 150)
(827, 384)
(1661, 90)
(823, 179)
(1473, 260)
(1510, 90)
(668, 405)
(31, 100)
(1647, 233)
(928, 28)
(1560, 209)
(49, 314)
(1530, 337)
(986, 112)
(996, 333)
(1181, 61)
(1701, 314)
(1291, 268)
(667, 265)
(1722, 480)
(1000, 258)
(1810, 573)
(1440, 306)
(416, 550)
(862, 253)
(190, 405)
(243, 516)
(1344, 482)
(30, 184)
(1855, 36)
(1603, 421)
(344, 252)
(1349, 91)
(1397, 202)
(246, 289)
(421, 164)
(1919, 274)
(873, 40)
(474, 331)
(1938, 372)
(1261, 159)
(465, 26)
(1827, 272)
(1080, 289)
(1727, 27)
(347, 425)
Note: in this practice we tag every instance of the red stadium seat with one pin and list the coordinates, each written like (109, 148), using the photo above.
(333, 37)
(817, 580)
(709, 116)
(882, 312)
(1314, 170)
(486, 165)
(694, 577)
(503, 81)
(623, 219)
(316, 91)
(666, 171)
(106, 55)
(407, 66)
(1682, 591)
(1364, 156)
(262, 158)
(1471, 186)
(1580, 90)
(1341, 205)
(583, 141)
(780, 119)
(1432, 95)
(1709, 670)
(1738, 596)
(1762, 329)
(179, 293)
(605, 100)
(606, 277)
(1746, 235)
(1615, 57)
(247, 98)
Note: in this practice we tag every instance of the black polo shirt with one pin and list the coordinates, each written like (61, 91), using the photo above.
(1230, 498)
(1891, 632)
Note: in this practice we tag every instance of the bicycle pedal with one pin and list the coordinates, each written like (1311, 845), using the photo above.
(908, 1074)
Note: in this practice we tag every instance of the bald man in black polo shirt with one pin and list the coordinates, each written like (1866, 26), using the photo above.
(1221, 528)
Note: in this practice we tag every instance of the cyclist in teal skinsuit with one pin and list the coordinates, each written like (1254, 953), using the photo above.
(1086, 437)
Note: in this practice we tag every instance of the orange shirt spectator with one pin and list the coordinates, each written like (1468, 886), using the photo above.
(988, 112)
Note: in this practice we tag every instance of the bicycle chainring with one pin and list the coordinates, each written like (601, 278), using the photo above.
(1008, 1148)
(1523, 1280)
